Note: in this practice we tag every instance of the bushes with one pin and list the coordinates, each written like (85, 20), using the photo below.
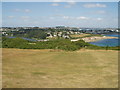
(63, 44)
(81, 43)
(69, 47)
(13, 42)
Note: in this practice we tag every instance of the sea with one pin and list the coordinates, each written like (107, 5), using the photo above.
(108, 42)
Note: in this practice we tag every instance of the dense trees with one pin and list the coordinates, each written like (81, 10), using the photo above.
(39, 34)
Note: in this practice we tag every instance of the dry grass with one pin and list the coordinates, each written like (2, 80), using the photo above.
(54, 69)
(81, 35)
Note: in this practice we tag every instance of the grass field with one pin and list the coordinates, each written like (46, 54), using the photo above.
(59, 69)
(84, 35)
(81, 35)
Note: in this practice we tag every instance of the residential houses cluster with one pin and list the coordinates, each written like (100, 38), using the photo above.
(60, 31)
(64, 34)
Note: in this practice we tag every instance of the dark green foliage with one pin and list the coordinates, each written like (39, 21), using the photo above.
(81, 43)
(107, 47)
(39, 34)
(13, 43)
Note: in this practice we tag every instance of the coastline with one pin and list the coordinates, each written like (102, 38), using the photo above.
(94, 39)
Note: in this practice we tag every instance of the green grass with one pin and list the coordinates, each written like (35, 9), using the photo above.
(39, 73)
(24, 68)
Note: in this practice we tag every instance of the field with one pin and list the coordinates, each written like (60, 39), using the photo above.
(24, 68)
(84, 35)
(80, 36)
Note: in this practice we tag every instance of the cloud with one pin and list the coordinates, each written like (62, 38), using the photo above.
(70, 4)
(25, 17)
(58, 15)
(101, 12)
(67, 6)
(36, 22)
(57, 0)
(27, 10)
(11, 16)
(23, 10)
(74, 18)
(82, 18)
(66, 17)
(99, 19)
(17, 10)
(94, 5)
(55, 4)
(51, 18)
(63, 0)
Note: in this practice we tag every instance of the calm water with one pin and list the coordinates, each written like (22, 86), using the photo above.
(25, 38)
(113, 35)
(107, 42)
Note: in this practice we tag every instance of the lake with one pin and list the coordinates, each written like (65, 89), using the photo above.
(107, 42)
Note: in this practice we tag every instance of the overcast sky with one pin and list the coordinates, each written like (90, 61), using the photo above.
(44, 14)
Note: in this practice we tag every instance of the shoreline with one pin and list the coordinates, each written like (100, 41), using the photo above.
(94, 39)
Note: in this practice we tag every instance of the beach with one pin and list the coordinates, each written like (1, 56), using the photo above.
(96, 38)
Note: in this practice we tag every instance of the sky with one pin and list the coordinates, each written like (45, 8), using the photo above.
(51, 14)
